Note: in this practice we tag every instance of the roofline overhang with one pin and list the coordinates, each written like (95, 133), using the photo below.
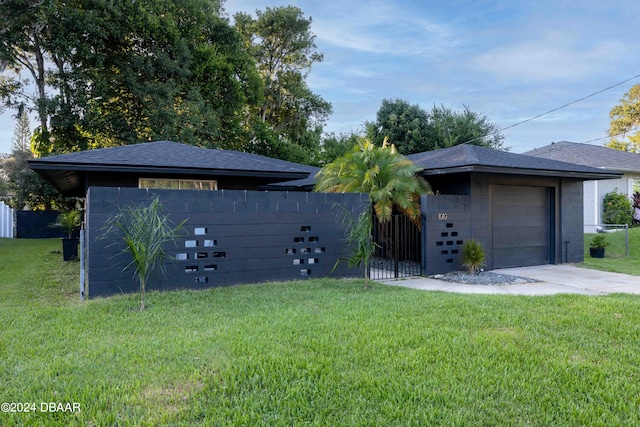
(521, 171)
(75, 167)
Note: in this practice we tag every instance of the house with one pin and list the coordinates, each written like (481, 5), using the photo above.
(628, 164)
(263, 223)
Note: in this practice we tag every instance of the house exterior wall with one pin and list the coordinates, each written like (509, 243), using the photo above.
(447, 224)
(594, 192)
(230, 237)
(471, 216)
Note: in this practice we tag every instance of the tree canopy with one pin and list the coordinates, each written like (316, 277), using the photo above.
(123, 72)
(415, 130)
(624, 128)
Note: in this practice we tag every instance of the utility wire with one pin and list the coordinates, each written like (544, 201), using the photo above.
(561, 107)
(611, 136)
(571, 103)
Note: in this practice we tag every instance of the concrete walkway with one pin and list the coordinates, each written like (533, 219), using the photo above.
(553, 279)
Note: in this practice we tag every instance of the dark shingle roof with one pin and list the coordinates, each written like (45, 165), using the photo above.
(169, 154)
(471, 158)
(68, 171)
(589, 155)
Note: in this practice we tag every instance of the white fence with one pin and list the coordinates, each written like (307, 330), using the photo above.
(6, 221)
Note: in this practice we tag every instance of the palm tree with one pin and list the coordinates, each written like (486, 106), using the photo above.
(389, 178)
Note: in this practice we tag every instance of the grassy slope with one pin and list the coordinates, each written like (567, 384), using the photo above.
(615, 259)
(318, 352)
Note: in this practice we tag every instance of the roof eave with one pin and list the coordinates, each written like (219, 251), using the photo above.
(523, 171)
(39, 165)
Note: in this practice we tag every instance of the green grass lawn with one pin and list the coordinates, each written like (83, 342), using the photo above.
(615, 255)
(317, 352)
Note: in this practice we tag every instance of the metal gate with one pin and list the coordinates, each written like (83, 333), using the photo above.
(398, 250)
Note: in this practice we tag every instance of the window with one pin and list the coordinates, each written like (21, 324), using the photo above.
(177, 184)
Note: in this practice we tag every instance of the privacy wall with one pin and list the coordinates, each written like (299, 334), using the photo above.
(230, 237)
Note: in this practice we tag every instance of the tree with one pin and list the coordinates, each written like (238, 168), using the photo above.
(23, 187)
(334, 146)
(388, 177)
(625, 119)
(407, 125)
(415, 130)
(281, 43)
(145, 230)
(125, 72)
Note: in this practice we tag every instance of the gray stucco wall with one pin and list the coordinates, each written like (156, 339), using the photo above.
(230, 237)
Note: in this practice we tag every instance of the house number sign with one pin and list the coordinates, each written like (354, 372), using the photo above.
(442, 216)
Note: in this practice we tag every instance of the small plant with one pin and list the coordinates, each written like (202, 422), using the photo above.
(145, 231)
(69, 221)
(473, 256)
(599, 241)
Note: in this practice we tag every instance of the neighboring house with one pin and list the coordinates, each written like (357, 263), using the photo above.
(599, 157)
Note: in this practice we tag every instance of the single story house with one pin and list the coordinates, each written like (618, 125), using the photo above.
(597, 156)
(264, 224)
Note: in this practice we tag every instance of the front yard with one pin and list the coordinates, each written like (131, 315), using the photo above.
(317, 352)
(615, 255)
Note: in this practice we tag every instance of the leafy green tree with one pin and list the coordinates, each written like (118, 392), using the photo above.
(625, 120)
(415, 130)
(334, 146)
(284, 49)
(112, 73)
(146, 231)
(23, 187)
(407, 125)
(449, 128)
(389, 178)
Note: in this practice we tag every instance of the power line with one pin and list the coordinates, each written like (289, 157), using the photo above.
(561, 107)
(611, 136)
(571, 103)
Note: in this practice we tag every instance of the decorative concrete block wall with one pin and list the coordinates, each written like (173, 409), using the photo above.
(446, 226)
(230, 237)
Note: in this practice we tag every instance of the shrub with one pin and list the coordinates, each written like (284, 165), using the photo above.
(617, 209)
(473, 256)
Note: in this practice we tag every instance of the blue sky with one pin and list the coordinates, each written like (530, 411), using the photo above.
(509, 60)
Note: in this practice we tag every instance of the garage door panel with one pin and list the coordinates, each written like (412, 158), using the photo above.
(519, 195)
(513, 216)
(525, 236)
(524, 256)
(521, 226)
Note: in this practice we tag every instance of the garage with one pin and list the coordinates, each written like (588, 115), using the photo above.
(522, 225)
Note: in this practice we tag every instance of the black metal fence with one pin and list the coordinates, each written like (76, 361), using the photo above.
(399, 251)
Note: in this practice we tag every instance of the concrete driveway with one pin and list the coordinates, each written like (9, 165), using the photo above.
(552, 279)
